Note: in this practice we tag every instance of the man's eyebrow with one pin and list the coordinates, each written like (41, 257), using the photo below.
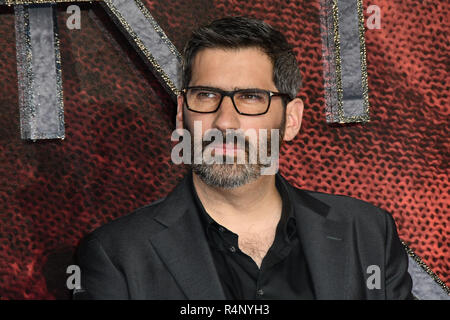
(234, 89)
(248, 88)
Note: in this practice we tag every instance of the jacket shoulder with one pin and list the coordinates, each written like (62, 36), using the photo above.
(370, 222)
(351, 208)
(133, 225)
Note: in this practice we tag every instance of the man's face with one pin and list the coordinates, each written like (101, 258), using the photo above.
(231, 70)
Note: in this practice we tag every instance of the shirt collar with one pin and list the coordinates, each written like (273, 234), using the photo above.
(287, 220)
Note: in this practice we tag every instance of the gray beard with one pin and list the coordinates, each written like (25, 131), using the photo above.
(227, 176)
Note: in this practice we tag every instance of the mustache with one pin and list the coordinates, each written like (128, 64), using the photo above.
(238, 139)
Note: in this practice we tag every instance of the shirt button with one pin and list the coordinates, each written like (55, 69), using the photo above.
(233, 249)
(221, 229)
(260, 292)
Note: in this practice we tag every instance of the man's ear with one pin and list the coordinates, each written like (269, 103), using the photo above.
(179, 116)
(294, 115)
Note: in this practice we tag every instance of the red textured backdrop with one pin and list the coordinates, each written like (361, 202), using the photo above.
(116, 155)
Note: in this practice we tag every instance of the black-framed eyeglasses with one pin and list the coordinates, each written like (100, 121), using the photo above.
(249, 102)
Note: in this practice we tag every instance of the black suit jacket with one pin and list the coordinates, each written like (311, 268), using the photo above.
(160, 251)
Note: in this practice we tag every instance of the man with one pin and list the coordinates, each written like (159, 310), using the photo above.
(227, 231)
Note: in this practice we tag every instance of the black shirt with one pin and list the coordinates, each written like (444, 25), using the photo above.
(283, 274)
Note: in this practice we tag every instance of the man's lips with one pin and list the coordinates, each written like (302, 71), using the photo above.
(226, 149)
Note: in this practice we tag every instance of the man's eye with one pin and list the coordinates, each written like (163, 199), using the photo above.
(206, 95)
(251, 96)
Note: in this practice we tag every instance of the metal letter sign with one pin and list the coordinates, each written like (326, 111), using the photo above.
(39, 67)
(39, 72)
(344, 55)
(148, 39)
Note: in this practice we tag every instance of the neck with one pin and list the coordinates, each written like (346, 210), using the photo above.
(255, 203)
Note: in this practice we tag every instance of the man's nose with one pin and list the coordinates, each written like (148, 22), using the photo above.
(227, 116)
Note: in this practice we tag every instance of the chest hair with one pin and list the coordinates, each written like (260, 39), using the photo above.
(256, 245)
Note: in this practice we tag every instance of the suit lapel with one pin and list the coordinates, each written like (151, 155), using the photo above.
(324, 243)
(325, 251)
(183, 247)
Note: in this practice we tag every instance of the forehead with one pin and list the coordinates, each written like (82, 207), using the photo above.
(231, 68)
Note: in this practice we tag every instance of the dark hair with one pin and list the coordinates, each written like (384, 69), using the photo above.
(241, 32)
